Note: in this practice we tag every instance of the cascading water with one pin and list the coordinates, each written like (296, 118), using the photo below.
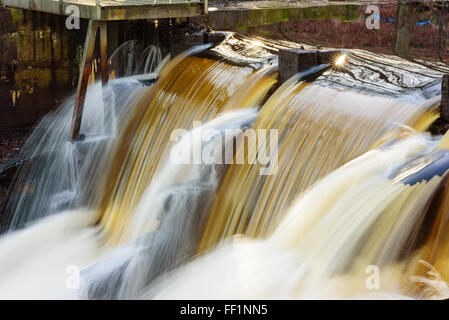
(314, 139)
(60, 174)
(138, 60)
(350, 220)
(172, 105)
(353, 181)
(170, 213)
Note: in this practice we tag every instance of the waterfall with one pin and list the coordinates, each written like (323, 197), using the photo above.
(204, 177)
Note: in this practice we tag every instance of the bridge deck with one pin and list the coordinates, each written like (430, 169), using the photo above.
(107, 10)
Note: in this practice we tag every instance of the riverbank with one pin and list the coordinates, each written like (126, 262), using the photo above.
(11, 141)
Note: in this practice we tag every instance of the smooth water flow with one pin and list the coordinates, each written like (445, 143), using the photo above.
(214, 181)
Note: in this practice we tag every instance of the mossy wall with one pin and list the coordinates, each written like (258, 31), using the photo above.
(235, 20)
(38, 64)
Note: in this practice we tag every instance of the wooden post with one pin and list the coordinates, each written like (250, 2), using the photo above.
(292, 61)
(85, 70)
(445, 97)
(104, 52)
(107, 100)
(61, 7)
(98, 7)
(206, 7)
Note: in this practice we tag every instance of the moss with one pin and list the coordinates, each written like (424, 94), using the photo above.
(241, 20)
(16, 14)
(33, 77)
(62, 76)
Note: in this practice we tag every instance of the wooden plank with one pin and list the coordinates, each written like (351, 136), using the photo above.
(54, 7)
(132, 3)
(107, 101)
(151, 12)
(85, 70)
(115, 10)
(104, 53)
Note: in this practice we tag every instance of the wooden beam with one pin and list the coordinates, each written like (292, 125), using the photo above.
(151, 12)
(108, 108)
(205, 6)
(113, 10)
(104, 52)
(85, 70)
(55, 7)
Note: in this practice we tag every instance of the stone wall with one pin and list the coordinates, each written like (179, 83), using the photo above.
(38, 64)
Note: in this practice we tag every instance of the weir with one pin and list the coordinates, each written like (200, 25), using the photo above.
(99, 13)
(228, 166)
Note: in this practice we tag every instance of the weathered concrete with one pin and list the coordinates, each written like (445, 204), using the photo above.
(231, 18)
(292, 61)
(38, 64)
